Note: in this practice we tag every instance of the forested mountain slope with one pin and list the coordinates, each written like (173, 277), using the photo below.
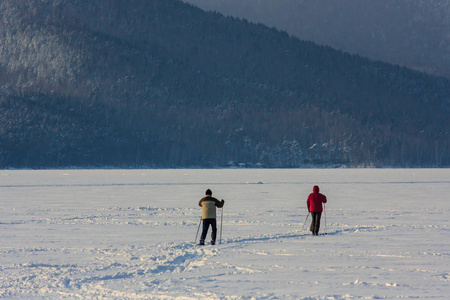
(159, 83)
(412, 33)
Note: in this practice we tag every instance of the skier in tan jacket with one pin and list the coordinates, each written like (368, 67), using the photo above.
(209, 204)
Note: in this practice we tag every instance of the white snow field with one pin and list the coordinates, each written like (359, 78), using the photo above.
(129, 234)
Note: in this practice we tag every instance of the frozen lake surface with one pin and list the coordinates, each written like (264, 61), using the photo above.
(129, 234)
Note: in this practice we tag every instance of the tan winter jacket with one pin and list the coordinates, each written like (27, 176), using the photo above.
(209, 205)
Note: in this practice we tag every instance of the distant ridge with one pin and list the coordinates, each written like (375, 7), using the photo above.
(409, 33)
(161, 83)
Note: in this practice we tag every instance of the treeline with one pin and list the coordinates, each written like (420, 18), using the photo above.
(162, 84)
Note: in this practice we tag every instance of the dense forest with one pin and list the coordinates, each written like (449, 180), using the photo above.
(409, 33)
(160, 83)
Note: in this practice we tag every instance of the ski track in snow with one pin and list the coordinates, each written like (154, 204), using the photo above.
(55, 250)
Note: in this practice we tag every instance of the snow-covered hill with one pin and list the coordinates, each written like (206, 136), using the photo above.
(154, 83)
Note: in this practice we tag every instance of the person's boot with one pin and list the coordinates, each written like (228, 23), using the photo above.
(213, 242)
(202, 242)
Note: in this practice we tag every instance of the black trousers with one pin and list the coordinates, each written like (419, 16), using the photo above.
(206, 223)
(315, 223)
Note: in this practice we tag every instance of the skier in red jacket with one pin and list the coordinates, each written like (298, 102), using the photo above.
(314, 203)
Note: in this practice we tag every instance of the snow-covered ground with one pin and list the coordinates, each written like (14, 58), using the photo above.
(129, 234)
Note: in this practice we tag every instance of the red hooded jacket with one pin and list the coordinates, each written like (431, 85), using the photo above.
(315, 200)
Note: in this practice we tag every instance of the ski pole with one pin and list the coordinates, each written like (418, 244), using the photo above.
(325, 212)
(198, 229)
(221, 223)
(305, 221)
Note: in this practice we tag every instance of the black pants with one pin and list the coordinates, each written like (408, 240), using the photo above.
(315, 223)
(206, 223)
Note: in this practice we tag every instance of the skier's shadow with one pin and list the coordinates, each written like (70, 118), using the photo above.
(275, 237)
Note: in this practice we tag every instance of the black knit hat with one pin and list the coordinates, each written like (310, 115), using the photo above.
(208, 192)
